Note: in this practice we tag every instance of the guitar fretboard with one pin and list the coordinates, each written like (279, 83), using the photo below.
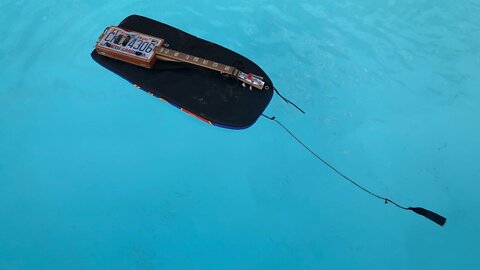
(194, 60)
(172, 55)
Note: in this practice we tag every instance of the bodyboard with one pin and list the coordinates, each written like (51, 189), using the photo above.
(216, 99)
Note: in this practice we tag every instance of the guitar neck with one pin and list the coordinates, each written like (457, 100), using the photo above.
(173, 55)
(163, 53)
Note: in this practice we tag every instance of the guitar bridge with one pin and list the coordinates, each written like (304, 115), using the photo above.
(250, 79)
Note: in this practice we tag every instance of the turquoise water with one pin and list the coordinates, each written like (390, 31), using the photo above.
(95, 174)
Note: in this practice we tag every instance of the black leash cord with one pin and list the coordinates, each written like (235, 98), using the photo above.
(440, 220)
(288, 101)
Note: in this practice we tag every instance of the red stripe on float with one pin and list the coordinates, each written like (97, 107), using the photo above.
(194, 115)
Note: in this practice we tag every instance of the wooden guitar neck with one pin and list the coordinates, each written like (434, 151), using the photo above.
(172, 55)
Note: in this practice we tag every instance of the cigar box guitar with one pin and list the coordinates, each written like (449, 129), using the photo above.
(144, 50)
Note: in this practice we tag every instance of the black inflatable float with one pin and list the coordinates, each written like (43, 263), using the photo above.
(220, 101)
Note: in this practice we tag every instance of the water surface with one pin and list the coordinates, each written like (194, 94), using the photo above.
(95, 174)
